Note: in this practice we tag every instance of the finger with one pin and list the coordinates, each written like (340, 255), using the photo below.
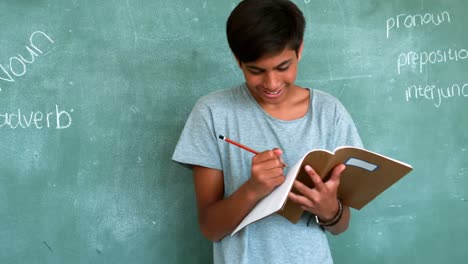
(274, 164)
(266, 160)
(301, 200)
(268, 176)
(304, 190)
(279, 180)
(275, 172)
(318, 183)
(336, 175)
(275, 181)
(265, 156)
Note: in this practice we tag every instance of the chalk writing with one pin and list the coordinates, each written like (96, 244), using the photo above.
(421, 59)
(436, 94)
(417, 62)
(409, 21)
(58, 119)
(17, 65)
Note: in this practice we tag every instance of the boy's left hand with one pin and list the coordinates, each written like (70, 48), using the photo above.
(321, 200)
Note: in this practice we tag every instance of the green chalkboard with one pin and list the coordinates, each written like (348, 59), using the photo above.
(94, 94)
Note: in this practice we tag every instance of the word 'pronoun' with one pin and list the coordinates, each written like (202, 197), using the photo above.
(416, 20)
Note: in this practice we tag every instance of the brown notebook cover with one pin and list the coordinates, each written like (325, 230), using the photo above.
(367, 175)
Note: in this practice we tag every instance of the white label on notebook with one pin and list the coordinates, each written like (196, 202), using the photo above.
(361, 164)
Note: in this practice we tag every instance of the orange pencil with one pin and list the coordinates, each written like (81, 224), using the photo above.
(238, 144)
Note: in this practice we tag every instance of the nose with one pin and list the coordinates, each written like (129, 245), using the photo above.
(271, 81)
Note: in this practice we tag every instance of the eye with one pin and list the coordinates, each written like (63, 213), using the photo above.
(283, 67)
(255, 72)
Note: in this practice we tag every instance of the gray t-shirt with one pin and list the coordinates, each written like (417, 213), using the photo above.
(234, 113)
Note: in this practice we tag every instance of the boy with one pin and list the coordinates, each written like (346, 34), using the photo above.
(268, 112)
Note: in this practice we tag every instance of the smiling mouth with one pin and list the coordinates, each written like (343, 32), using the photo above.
(273, 94)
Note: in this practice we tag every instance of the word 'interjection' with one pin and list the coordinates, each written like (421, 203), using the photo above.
(58, 119)
(436, 94)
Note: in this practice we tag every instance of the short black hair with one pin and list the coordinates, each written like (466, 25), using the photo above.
(258, 28)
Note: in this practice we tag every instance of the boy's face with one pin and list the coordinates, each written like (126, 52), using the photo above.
(270, 78)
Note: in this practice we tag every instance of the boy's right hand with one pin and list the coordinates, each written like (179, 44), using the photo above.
(266, 172)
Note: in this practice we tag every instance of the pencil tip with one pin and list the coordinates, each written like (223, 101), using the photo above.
(221, 137)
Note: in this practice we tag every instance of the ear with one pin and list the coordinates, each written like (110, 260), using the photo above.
(299, 52)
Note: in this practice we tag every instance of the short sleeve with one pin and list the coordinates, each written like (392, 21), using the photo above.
(344, 123)
(197, 144)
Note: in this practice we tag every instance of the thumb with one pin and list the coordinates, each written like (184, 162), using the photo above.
(278, 152)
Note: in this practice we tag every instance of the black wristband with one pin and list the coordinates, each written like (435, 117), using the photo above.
(335, 219)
